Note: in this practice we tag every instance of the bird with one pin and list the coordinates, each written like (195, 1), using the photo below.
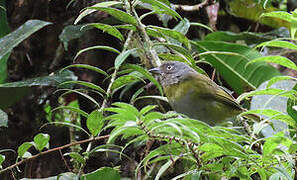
(196, 95)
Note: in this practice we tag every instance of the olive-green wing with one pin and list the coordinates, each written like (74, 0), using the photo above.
(225, 97)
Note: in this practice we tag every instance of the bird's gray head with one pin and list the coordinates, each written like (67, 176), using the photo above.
(172, 72)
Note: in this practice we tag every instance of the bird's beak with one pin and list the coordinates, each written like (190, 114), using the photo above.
(155, 70)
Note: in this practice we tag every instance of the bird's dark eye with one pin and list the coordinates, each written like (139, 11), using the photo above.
(169, 67)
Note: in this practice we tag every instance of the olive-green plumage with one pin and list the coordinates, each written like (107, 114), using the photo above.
(194, 94)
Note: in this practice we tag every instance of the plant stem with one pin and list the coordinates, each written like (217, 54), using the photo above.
(54, 149)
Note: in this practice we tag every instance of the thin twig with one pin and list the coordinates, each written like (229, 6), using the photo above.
(65, 162)
(52, 150)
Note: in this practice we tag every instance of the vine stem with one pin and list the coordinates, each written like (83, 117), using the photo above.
(54, 149)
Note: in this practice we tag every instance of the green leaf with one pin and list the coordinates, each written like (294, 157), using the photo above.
(180, 50)
(87, 84)
(77, 157)
(284, 172)
(74, 109)
(102, 173)
(86, 66)
(22, 149)
(86, 11)
(122, 57)
(292, 148)
(118, 14)
(2, 158)
(11, 40)
(270, 91)
(123, 81)
(183, 26)
(41, 141)
(3, 68)
(273, 142)
(262, 173)
(275, 59)
(201, 25)
(146, 74)
(12, 92)
(128, 130)
(165, 167)
(161, 5)
(279, 78)
(147, 109)
(273, 114)
(95, 122)
(279, 14)
(233, 68)
(2, 8)
(171, 57)
(68, 125)
(4, 29)
(97, 47)
(107, 28)
(3, 119)
(51, 80)
(280, 44)
(180, 37)
(292, 106)
(80, 93)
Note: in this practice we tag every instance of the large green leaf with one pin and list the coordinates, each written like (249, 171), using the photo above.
(4, 29)
(233, 68)
(41, 141)
(14, 91)
(11, 40)
(95, 122)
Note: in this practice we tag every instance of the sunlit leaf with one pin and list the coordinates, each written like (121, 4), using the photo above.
(95, 122)
(280, 44)
(41, 141)
(275, 59)
(2, 158)
(279, 78)
(22, 149)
